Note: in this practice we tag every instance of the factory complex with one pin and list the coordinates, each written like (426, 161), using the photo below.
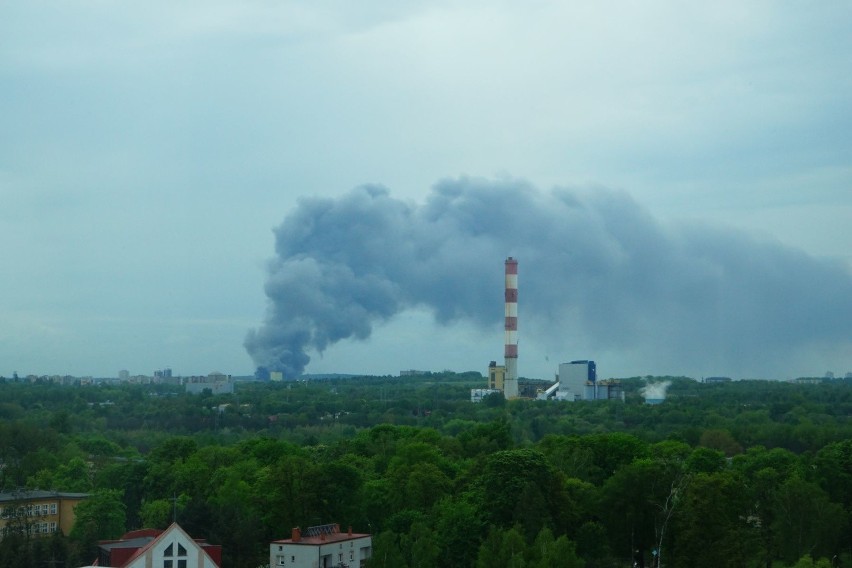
(575, 381)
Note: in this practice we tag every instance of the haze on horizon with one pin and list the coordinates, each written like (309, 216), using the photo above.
(150, 150)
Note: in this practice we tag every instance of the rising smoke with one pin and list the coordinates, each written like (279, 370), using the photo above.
(594, 265)
(655, 391)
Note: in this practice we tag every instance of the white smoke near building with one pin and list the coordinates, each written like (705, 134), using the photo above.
(655, 392)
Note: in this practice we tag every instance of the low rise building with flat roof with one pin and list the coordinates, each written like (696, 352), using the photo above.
(322, 546)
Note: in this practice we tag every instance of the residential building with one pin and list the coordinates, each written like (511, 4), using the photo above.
(38, 512)
(716, 380)
(322, 546)
(153, 548)
(216, 383)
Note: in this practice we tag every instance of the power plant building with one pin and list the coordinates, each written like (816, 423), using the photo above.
(578, 381)
(575, 378)
(496, 376)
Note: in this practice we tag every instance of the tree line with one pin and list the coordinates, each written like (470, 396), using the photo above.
(744, 474)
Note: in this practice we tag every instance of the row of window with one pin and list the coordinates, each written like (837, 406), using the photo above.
(282, 560)
(37, 510)
(35, 528)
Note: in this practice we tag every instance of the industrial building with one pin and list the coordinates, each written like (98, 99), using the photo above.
(322, 546)
(578, 381)
(476, 395)
(496, 376)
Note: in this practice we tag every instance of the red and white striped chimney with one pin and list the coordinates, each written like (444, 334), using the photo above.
(510, 382)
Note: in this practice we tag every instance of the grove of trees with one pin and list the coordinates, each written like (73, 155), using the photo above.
(746, 474)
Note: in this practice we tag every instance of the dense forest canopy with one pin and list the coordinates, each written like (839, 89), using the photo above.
(740, 474)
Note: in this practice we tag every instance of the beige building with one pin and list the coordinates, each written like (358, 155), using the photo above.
(38, 512)
(496, 376)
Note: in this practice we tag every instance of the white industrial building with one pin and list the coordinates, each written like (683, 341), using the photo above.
(578, 381)
(575, 379)
(322, 546)
(476, 395)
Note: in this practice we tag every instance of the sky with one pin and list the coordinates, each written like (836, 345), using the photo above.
(164, 168)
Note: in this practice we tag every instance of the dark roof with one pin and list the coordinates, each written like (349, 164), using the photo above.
(36, 494)
(131, 543)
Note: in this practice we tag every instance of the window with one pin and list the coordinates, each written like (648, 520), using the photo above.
(53, 508)
(167, 563)
(181, 550)
(182, 563)
(292, 559)
(169, 550)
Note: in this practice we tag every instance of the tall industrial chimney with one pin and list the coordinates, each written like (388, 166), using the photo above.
(510, 383)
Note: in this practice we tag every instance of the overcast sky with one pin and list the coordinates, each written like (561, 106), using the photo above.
(149, 149)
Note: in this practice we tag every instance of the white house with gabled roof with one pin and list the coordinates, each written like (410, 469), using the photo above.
(171, 548)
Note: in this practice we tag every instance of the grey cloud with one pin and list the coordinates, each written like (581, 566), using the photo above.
(593, 263)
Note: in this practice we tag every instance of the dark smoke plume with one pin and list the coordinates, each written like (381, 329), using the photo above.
(592, 263)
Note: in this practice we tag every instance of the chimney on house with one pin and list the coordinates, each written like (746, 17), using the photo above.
(296, 535)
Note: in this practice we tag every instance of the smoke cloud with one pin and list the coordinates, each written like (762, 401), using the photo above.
(655, 391)
(593, 264)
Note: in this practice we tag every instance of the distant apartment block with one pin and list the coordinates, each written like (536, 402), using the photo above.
(716, 380)
(38, 513)
(217, 383)
(163, 374)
